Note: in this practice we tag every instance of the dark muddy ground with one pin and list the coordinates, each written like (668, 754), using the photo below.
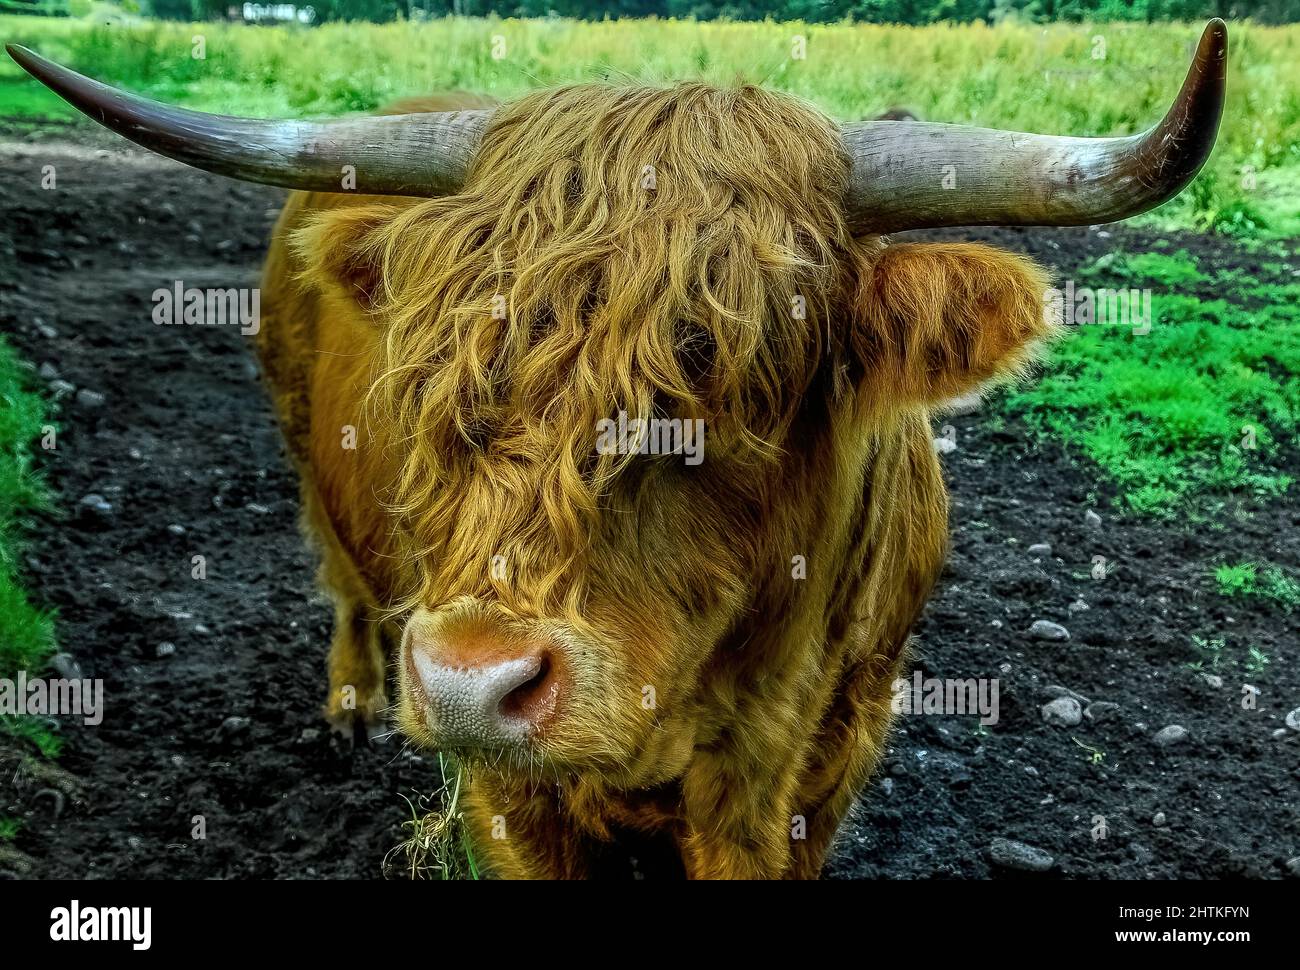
(185, 453)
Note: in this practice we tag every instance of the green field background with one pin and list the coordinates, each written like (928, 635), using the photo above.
(1081, 79)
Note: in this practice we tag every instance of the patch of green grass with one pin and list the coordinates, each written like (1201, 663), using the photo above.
(1171, 269)
(1235, 580)
(1209, 653)
(9, 828)
(1204, 403)
(34, 732)
(24, 100)
(26, 632)
(1219, 205)
(1212, 656)
(1256, 660)
(1248, 580)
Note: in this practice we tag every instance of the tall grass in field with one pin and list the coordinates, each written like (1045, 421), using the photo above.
(26, 632)
(1089, 79)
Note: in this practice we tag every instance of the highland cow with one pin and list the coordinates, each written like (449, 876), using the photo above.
(614, 640)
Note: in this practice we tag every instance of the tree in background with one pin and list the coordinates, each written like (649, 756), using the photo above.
(914, 12)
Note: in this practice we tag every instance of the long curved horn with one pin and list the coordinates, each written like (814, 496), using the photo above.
(1010, 178)
(412, 154)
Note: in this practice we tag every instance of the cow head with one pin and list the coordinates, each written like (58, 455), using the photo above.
(599, 267)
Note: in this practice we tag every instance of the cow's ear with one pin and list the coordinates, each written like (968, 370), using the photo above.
(340, 252)
(935, 320)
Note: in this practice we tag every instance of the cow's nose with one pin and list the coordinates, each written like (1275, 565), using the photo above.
(500, 695)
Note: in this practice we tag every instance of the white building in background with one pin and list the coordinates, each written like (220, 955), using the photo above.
(258, 13)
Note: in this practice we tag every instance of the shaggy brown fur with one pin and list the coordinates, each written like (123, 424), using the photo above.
(729, 289)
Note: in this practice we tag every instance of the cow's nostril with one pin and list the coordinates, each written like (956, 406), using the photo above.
(483, 691)
(535, 699)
